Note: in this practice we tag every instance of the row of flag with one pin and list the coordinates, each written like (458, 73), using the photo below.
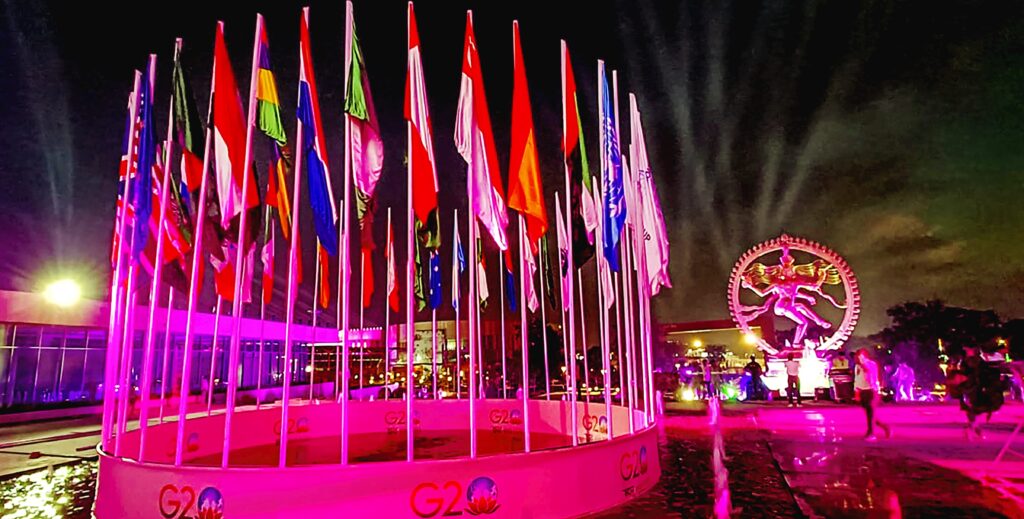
(626, 197)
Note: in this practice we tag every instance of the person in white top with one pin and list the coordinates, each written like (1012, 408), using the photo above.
(865, 382)
(793, 380)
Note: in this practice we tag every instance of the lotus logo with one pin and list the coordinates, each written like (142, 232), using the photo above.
(211, 504)
(482, 496)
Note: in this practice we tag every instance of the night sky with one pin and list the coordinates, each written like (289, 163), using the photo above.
(892, 132)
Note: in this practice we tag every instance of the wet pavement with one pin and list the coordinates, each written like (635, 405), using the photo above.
(781, 462)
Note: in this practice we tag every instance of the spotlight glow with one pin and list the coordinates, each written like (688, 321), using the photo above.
(63, 293)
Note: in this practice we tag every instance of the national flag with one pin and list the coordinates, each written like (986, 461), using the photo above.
(475, 142)
(325, 278)
(525, 191)
(365, 147)
(268, 107)
(547, 278)
(176, 247)
(532, 301)
(652, 221)
(229, 137)
(422, 163)
(563, 252)
(321, 195)
(435, 280)
(458, 265)
(368, 279)
(224, 272)
(267, 256)
(614, 206)
(277, 190)
(582, 212)
(604, 271)
(128, 145)
(481, 271)
(392, 285)
(145, 160)
(188, 128)
(510, 282)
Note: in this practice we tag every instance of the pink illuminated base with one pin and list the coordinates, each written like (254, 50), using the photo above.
(555, 480)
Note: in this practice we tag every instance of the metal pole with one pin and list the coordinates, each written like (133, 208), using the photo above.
(387, 320)
(573, 411)
(213, 356)
(544, 327)
(583, 334)
(433, 360)
(362, 308)
(524, 249)
(316, 300)
(410, 315)
(345, 272)
(165, 367)
(458, 318)
(501, 312)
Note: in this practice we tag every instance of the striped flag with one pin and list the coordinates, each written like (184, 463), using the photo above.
(583, 213)
(393, 296)
(321, 195)
(475, 142)
(424, 170)
(145, 160)
(267, 257)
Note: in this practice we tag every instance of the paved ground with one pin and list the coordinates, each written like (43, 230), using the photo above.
(32, 446)
(928, 468)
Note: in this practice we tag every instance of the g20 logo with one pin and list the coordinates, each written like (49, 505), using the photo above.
(430, 499)
(503, 417)
(178, 503)
(295, 426)
(633, 464)
(395, 420)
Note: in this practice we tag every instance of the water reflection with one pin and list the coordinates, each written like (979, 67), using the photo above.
(64, 492)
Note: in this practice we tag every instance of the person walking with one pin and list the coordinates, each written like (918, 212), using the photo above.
(793, 380)
(866, 384)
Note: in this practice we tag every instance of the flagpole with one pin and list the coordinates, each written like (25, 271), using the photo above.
(240, 253)
(565, 304)
(626, 255)
(544, 326)
(263, 311)
(213, 355)
(410, 310)
(474, 325)
(624, 245)
(606, 267)
(193, 286)
(344, 273)
(128, 343)
(480, 364)
(387, 318)
(292, 268)
(524, 343)
(154, 290)
(117, 313)
(573, 411)
(362, 308)
(504, 379)
(458, 318)
(147, 365)
(317, 280)
(167, 350)
(583, 334)
(433, 360)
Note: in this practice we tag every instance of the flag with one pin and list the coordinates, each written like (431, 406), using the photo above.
(277, 190)
(325, 278)
(604, 272)
(614, 206)
(510, 282)
(145, 160)
(481, 270)
(475, 142)
(127, 145)
(267, 256)
(652, 221)
(563, 253)
(458, 265)
(547, 278)
(582, 212)
(172, 263)
(525, 192)
(188, 127)
(229, 137)
(321, 195)
(367, 279)
(392, 271)
(424, 171)
(435, 280)
(268, 107)
(224, 272)
(365, 146)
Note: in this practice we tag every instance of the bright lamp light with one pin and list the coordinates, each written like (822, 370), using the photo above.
(749, 339)
(63, 293)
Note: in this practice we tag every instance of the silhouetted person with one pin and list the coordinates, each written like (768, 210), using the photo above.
(793, 380)
(755, 389)
(865, 382)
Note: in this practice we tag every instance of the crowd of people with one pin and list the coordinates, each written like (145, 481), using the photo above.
(978, 381)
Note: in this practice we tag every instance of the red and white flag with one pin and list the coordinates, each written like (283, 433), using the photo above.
(267, 256)
(475, 142)
(228, 136)
(393, 300)
(424, 170)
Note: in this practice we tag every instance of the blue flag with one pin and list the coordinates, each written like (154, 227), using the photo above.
(435, 280)
(614, 214)
(458, 267)
(510, 283)
(142, 188)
